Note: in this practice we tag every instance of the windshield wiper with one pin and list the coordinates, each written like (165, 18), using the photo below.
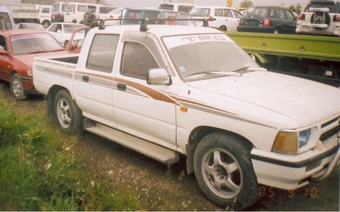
(248, 69)
(214, 72)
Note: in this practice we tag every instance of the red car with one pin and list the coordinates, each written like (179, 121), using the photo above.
(17, 51)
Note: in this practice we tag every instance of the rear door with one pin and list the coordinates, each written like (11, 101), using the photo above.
(94, 83)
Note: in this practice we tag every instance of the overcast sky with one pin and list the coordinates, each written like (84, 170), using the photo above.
(236, 3)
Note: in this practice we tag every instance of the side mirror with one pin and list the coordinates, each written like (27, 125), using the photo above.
(158, 76)
(3, 52)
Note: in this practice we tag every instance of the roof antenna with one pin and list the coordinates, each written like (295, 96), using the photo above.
(144, 25)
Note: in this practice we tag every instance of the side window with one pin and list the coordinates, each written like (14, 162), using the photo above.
(237, 14)
(152, 15)
(82, 8)
(45, 10)
(102, 53)
(282, 14)
(133, 15)
(3, 43)
(137, 60)
(227, 13)
(218, 12)
(289, 15)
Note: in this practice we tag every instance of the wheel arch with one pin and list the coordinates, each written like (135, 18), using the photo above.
(51, 97)
(196, 136)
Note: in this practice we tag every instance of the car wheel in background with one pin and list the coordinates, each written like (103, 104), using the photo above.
(46, 23)
(223, 28)
(17, 88)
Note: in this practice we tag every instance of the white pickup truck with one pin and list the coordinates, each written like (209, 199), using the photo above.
(167, 91)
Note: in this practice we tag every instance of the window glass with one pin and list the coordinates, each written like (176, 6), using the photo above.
(237, 14)
(282, 14)
(137, 60)
(227, 13)
(218, 12)
(82, 8)
(102, 52)
(289, 15)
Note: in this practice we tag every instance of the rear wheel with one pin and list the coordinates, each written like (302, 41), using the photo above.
(69, 116)
(46, 23)
(223, 28)
(224, 171)
(17, 88)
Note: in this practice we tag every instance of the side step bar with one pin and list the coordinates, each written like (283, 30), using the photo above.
(154, 151)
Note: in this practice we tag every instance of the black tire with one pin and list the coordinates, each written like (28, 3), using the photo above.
(17, 89)
(223, 28)
(68, 114)
(224, 171)
(46, 23)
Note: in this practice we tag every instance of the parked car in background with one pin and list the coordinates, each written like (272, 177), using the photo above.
(103, 11)
(117, 13)
(74, 12)
(63, 31)
(136, 15)
(30, 26)
(17, 51)
(58, 10)
(320, 18)
(222, 18)
(181, 7)
(268, 19)
(45, 15)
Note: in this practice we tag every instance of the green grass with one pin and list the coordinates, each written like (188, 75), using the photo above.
(36, 173)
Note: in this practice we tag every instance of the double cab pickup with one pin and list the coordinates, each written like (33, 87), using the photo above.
(167, 91)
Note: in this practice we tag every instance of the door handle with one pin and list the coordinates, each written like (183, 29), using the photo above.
(86, 78)
(121, 86)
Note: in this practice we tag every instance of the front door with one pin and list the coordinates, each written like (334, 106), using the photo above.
(140, 109)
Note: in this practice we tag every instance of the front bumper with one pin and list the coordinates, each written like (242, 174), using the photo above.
(295, 171)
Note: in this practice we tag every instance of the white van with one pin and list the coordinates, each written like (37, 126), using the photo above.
(45, 15)
(6, 19)
(180, 7)
(58, 11)
(74, 12)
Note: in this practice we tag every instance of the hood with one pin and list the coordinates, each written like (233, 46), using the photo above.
(28, 59)
(304, 101)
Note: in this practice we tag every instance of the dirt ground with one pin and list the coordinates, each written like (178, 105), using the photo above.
(161, 188)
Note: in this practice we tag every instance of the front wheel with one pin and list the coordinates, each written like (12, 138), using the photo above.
(224, 171)
(17, 88)
(69, 116)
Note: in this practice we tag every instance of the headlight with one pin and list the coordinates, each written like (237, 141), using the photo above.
(289, 142)
(30, 73)
(304, 137)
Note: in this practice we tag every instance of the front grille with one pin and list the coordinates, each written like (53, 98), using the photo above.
(331, 132)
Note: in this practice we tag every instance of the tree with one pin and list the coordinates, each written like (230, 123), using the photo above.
(246, 4)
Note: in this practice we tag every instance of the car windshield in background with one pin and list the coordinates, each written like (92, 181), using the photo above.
(34, 43)
(202, 12)
(195, 58)
(71, 28)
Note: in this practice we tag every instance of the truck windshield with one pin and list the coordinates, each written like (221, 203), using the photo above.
(207, 56)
